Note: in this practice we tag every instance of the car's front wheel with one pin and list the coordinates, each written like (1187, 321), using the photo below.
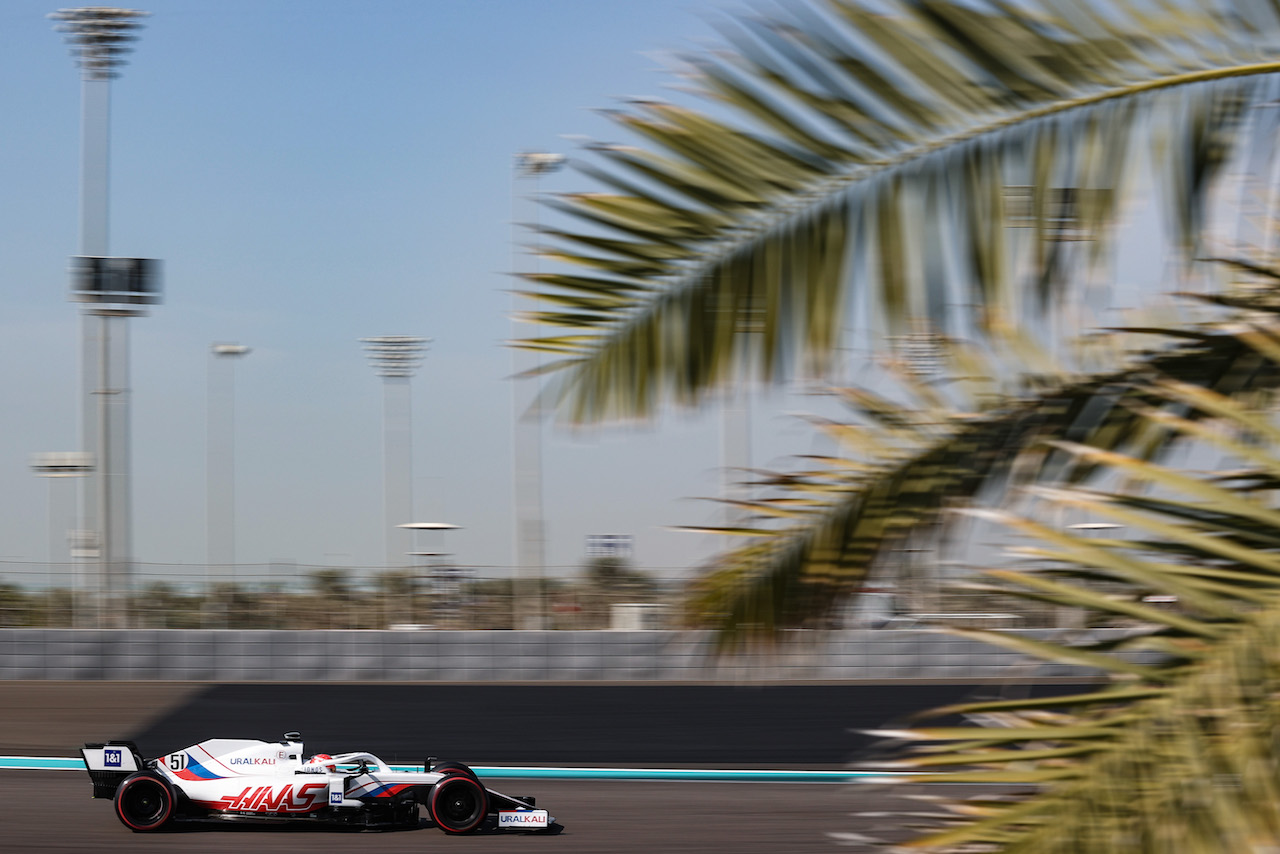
(144, 802)
(458, 803)
(452, 767)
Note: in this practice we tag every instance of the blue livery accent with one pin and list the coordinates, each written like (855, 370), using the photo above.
(199, 770)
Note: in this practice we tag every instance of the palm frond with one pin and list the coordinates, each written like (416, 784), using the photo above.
(1177, 754)
(904, 467)
(887, 163)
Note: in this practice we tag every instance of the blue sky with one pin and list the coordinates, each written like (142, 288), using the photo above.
(312, 173)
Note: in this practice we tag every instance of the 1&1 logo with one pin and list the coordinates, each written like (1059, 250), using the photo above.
(112, 758)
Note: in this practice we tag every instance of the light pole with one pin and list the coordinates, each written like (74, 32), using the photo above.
(443, 573)
(55, 465)
(220, 532)
(114, 290)
(531, 557)
(395, 358)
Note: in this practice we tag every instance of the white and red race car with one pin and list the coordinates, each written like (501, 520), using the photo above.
(230, 779)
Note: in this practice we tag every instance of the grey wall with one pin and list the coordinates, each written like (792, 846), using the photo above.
(234, 656)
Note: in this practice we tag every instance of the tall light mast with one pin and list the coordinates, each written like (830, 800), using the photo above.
(220, 463)
(527, 610)
(395, 358)
(113, 290)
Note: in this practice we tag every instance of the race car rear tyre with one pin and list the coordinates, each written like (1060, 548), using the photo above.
(458, 803)
(145, 802)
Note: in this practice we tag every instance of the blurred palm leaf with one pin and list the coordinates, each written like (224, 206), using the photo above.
(1176, 753)
(927, 164)
(815, 541)
(854, 159)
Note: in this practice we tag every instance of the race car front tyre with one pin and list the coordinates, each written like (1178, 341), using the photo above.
(452, 767)
(144, 802)
(458, 803)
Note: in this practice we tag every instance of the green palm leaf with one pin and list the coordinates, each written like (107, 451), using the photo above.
(1180, 758)
(858, 159)
(902, 467)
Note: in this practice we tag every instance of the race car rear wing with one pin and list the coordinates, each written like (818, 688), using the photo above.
(108, 764)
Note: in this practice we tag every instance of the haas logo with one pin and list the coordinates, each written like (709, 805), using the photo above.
(268, 799)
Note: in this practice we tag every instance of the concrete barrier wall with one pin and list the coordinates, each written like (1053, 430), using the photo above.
(461, 656)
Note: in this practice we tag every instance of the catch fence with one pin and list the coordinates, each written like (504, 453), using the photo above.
(290, 596)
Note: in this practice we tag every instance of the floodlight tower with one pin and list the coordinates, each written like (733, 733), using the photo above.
(531, 546)
(220, 441)
(395, 358)
(55, 466)
(113, 289)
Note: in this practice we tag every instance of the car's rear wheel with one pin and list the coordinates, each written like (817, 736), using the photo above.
(144, 802)
(458, 803)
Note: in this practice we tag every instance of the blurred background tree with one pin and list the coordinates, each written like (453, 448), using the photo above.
(15, 607)
(607, 581)
(333, 603)
(400, 593)
(616, 577)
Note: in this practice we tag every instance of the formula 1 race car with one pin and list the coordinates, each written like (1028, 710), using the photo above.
(232, 779)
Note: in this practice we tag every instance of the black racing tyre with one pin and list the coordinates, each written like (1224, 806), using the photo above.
(145, 802)
(453, 768)
(458, 803)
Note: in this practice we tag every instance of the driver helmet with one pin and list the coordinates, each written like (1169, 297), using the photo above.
(320, 756)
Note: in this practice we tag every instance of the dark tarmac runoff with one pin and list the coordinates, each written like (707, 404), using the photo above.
(708, 726)
(649, 725)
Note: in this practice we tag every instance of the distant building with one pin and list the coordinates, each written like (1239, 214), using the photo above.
(610, 545)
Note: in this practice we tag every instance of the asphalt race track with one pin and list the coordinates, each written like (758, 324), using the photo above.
(750, 726)
(52, 811)
(762, 726)
(635, 725)
(756, 726)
